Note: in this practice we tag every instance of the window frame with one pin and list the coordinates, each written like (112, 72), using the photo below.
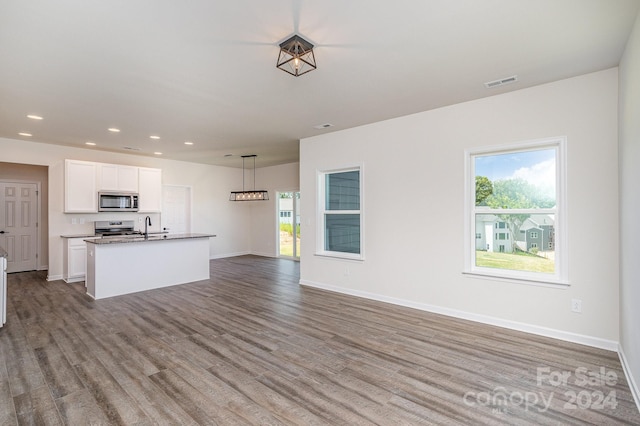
(560, 275)
(321, 211)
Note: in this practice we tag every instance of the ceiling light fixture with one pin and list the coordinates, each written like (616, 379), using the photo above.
(34, 117)
(296, 56)
(188, 143)
(157, 153)
(154, 137)
(255, 195)
(113, 130)
(90, 143)
(25, 134)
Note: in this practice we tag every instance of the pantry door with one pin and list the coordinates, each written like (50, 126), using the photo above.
(19, 224)
(176, 209)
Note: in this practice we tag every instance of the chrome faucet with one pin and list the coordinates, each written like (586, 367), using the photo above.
(147, 221)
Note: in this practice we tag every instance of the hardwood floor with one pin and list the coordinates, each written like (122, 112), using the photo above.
(250, 346)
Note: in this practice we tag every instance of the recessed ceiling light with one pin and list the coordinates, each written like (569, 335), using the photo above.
(157, 153)
(154, 137)
(188, 143)
(25, 134)
(90, 143)
(114, 130)
(323, 126)
(34, 117)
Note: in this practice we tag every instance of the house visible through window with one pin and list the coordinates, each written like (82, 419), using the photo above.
(518, 191)
(341, 213)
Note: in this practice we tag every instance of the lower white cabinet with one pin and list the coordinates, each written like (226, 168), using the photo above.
(75, 262)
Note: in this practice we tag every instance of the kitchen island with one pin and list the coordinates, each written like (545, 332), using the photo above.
(117, 266)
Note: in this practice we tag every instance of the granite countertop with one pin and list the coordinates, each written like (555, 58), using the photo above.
(142, 239)
(79, 236)
(3, 253)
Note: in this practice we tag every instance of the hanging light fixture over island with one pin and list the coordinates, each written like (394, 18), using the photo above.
(253, 195)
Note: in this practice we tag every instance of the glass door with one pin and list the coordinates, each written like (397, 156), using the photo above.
(289, 224)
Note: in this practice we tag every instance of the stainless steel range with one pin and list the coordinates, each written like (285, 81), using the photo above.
(117, 228)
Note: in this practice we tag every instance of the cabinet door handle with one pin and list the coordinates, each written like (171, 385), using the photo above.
(3, 232)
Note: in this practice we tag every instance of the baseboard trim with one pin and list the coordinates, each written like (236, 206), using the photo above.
(595, 342)
(271, 255)
(225, 255)
(635, 391)
(54, 277)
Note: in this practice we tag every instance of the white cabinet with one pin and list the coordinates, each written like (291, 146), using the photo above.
(114, 177)
(80, 193)
(149, 189)
(75, 262)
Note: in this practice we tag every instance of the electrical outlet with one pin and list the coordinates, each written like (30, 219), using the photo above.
(74, 221)
(576, 305)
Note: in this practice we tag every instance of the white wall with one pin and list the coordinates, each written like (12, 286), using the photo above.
(629, 120)
(264, 214)
(212, 211)
(414, 199)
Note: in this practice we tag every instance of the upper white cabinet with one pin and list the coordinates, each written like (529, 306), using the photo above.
(114, 177)
(83, 180)
(149, 189)
(80, 189)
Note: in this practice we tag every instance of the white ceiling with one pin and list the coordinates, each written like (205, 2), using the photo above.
(204, 70)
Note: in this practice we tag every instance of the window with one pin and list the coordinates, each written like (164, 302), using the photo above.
(340, 211)
(515, 189)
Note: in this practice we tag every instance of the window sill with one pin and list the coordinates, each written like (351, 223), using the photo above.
(340, 256)
(541, 282)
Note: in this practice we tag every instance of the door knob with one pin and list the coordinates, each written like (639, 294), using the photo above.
(2, 232)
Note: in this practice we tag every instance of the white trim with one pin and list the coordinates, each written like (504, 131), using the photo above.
(225, 255)
(321, 211)
(595, 342)
(633, 387)
(561, 276)
(257, 253)
(534, 280)
(54, 277)
(293, 223)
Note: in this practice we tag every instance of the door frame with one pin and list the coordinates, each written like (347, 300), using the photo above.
(38, 217)
(277, 225)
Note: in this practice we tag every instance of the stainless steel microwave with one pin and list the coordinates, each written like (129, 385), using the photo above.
(117, 202)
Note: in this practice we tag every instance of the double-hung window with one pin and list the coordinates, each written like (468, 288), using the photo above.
(520, 190)
(340, 213)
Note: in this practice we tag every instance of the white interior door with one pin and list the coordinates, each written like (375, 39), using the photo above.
(18, 224)
(176, 208)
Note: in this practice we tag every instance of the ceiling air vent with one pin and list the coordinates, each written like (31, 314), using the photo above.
(323, 126)
(130, 148)
(501, 82)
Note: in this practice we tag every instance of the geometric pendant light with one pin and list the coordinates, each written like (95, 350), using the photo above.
(296, 56)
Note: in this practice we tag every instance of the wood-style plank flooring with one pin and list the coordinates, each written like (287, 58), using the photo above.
(251, 347)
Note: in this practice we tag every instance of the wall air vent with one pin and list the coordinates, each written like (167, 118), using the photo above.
(130, 148)
(501, 82)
